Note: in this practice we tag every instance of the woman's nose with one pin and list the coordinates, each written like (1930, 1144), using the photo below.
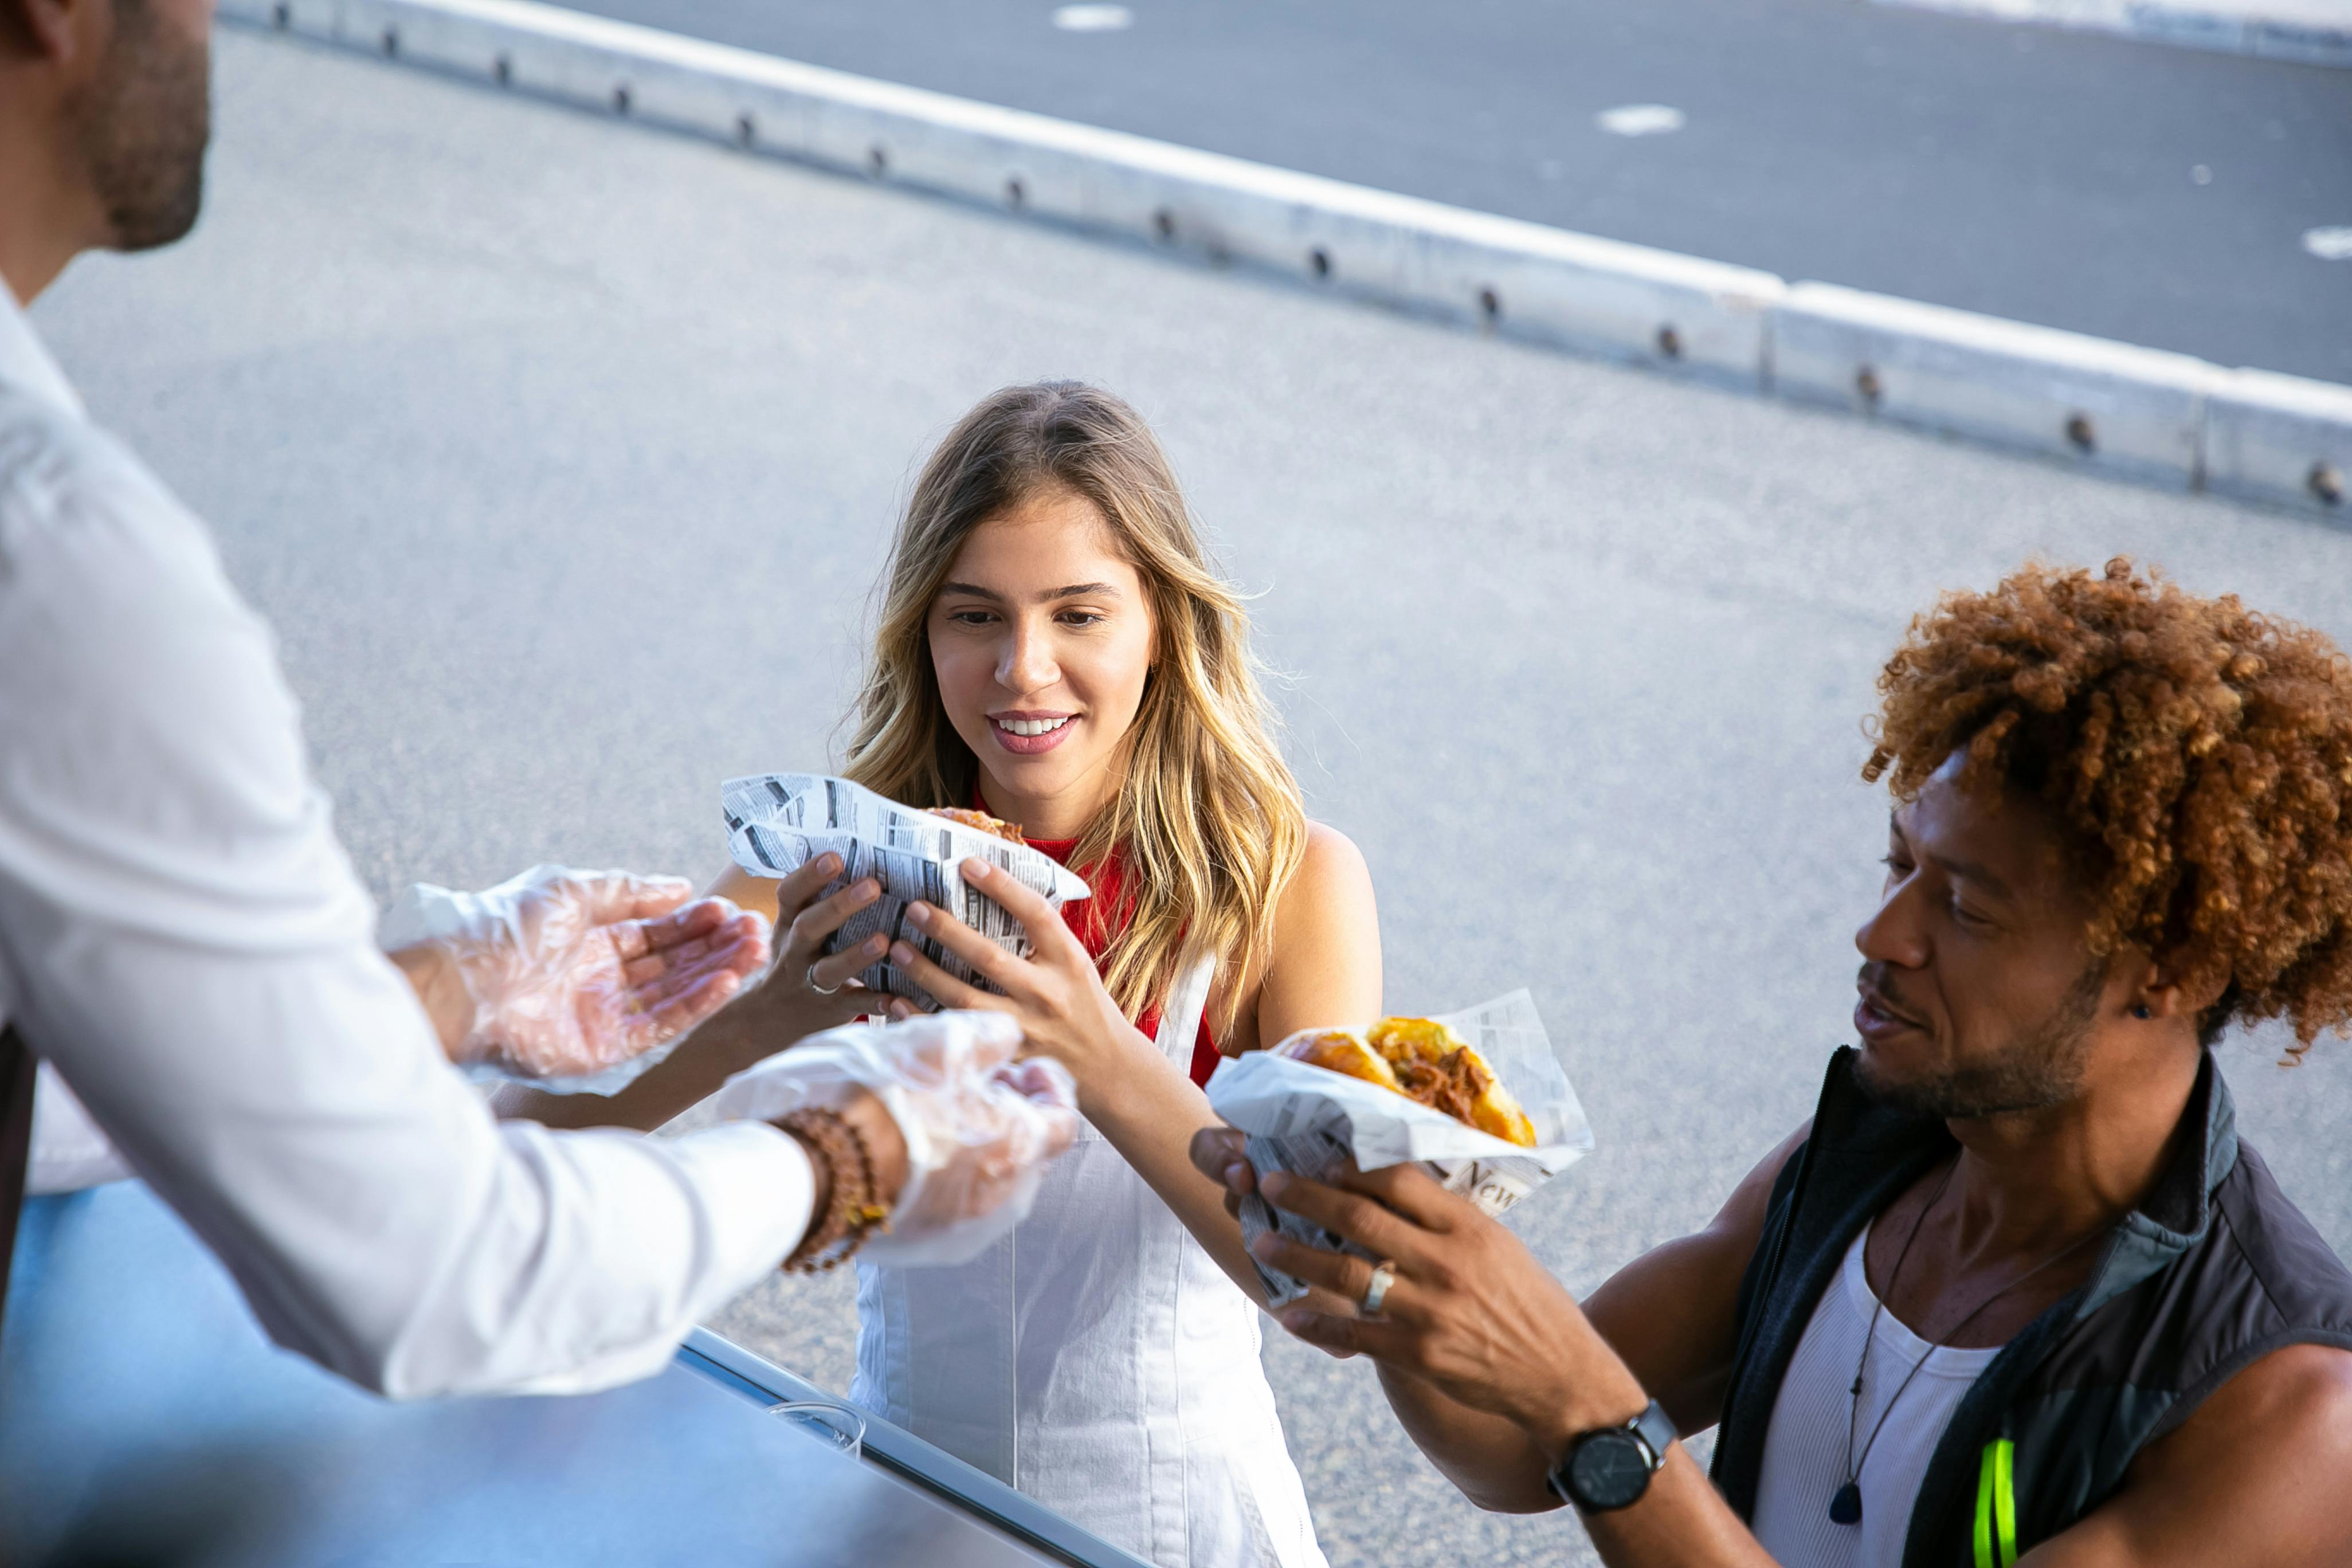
(1026, 662)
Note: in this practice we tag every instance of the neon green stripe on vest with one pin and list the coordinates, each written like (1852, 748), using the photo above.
(2004, 1499)
(1996, 1531)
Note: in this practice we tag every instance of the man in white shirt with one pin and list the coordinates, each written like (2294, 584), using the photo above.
(184, 942)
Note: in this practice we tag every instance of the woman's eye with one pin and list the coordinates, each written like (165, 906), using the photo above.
(1082, 617)
(970, 617)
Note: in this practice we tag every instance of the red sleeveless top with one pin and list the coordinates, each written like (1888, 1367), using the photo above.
(1098, 919)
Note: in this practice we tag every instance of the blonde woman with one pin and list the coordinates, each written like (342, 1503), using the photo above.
(1055, 648)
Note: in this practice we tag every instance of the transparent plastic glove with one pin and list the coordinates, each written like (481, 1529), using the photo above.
(980, 1127)
(574, 979)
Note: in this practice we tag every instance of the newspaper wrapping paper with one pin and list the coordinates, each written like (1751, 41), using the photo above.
(1309, 1121)
(777, 823)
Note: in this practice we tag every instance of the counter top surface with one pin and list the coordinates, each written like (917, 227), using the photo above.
(146, 1417)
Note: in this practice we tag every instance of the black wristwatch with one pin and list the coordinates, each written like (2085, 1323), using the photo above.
(1612, 1469)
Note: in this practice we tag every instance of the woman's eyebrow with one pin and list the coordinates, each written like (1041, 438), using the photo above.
(1075, 591)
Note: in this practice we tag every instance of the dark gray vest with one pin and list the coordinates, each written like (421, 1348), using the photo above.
(2214, 1269)
(17, 1066)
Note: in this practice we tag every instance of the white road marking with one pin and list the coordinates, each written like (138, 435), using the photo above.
(2330, 243)
(1092, 18)
(1639, 119)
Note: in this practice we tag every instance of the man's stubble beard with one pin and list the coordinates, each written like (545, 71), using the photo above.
(142, 128)
(2041, 1069)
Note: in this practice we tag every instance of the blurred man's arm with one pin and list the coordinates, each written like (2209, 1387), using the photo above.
(182, 937)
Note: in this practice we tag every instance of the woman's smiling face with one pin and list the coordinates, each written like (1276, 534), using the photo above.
(1042, 639)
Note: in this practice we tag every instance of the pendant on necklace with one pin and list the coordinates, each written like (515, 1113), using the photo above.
(1845, 1507)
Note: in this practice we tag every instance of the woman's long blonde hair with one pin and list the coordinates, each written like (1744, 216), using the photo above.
(1208, 817)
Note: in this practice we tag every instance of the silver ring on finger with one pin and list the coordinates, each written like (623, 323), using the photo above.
(810, 978)
(1377, 1291)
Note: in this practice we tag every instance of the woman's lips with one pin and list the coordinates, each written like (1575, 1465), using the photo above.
(999, 725)
(1874, 1021)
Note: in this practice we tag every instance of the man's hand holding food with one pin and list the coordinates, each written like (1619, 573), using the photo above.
(1466, 1313)
(1461, 1304)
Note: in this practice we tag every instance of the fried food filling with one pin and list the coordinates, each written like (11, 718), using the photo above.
(1422, 1060)
(982, 822)
(1452, 1084)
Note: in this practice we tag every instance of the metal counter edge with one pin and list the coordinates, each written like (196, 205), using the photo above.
(896, 1449)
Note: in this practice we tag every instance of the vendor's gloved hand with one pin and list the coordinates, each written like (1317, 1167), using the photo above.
(979, 1128)
(562, 974)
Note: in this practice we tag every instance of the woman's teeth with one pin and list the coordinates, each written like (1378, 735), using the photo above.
(1031, 726)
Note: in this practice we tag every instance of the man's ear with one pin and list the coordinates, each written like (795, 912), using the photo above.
(34, 30)
(2166, 993)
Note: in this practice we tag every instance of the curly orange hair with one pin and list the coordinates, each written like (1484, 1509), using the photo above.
(2198, 755)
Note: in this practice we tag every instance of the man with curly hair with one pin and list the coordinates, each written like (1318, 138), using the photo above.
(2018, 1287)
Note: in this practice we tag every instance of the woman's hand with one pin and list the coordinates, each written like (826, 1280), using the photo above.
(1056, 993)
(805, 991)
(1469, 1309)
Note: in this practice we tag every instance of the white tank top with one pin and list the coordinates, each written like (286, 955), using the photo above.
(1098, 1360)
(1804, 1448)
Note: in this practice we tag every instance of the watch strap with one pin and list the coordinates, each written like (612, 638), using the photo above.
(1656, 1429)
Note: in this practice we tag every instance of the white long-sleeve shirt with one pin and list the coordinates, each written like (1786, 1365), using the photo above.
(184, 943)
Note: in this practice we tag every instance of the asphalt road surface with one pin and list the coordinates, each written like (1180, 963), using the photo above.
(563, 455)
(2135, 191)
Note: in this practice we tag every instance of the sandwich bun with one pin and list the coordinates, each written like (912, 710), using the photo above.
(1424, 1061)
(1340, 1050)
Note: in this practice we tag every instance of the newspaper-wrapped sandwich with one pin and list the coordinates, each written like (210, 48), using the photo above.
(777, 823)
(1476, 1097)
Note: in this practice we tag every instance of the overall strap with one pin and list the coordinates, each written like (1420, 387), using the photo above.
(17, 1065)
(1180, 1013)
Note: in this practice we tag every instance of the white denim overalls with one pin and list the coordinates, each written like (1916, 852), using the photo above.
(1099, 1360)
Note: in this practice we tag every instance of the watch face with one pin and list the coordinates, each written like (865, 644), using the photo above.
(1609, 1469)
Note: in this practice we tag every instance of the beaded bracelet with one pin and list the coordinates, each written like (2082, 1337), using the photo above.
(850, 1212)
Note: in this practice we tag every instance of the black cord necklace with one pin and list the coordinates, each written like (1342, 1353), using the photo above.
(1845, 1504)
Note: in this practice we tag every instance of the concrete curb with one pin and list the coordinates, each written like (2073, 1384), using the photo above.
(2224, 30)
(2136, 412)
